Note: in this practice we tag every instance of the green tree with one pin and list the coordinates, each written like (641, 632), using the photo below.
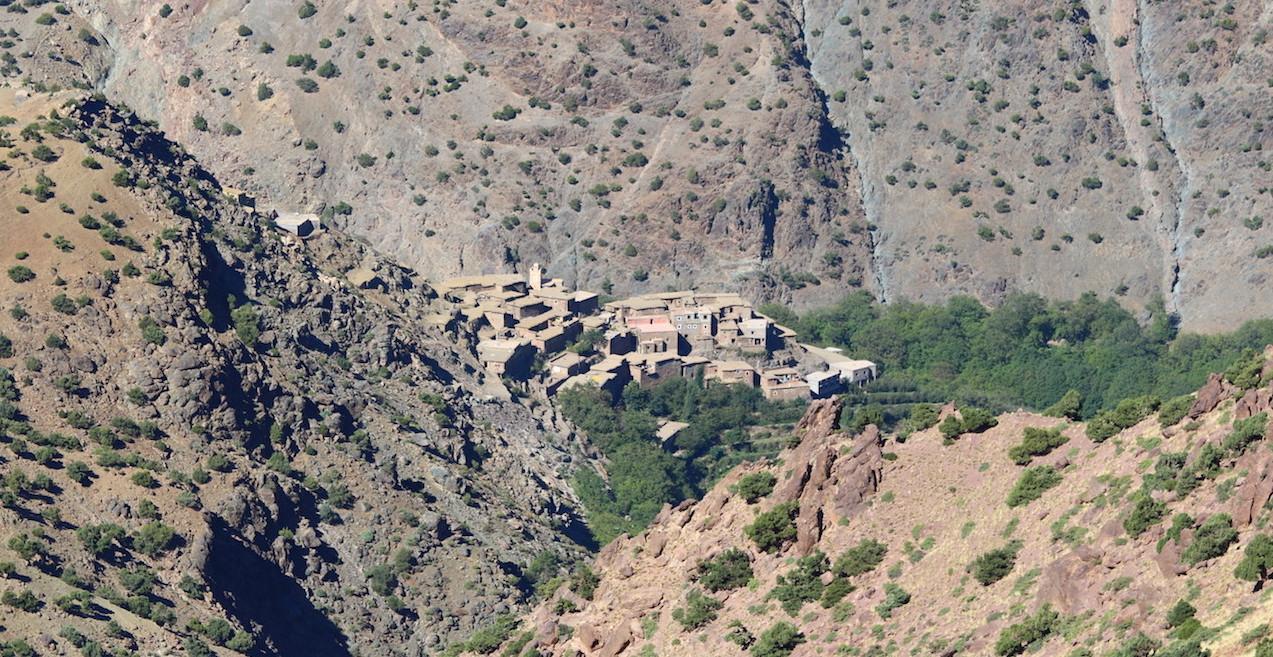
(755, 485)
(778, 641)
(726, 571)
(775, 528)
(1257, 560)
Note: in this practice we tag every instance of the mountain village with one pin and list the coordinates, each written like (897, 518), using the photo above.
(533, 328)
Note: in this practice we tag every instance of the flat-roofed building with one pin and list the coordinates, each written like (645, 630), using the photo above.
(509, 358)
(783, 383)
(824, 384)
(732, 372)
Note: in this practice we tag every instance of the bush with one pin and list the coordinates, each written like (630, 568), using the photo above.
(1173, 411)
(1126, 414)
(728, 570)
(1257, 560)
(1146, 513)
(801, 584)
(154, 538)
(100, 539)
(1245, 432)
(860, 559)
(970, 420)
(488, 639)
(1180, 613)
(1245, 372)
(151, 332)
(1032, 484)
(894, 597)
(994, 565)
(247, 324)
(21, 274)
(755, 485)
(775, 528)
(1211, 540)
(1036, 442)
(1017, 638)
(778, 641)
(699, 610)
(1069, 406)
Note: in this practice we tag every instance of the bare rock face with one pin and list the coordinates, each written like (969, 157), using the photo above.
(1253, 402)
(1216, 390)
(1256, 489)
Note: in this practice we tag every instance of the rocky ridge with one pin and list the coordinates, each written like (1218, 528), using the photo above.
(336, 475)
(936, 506)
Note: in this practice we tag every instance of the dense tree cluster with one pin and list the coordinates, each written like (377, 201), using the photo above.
(1028, 351)
(644, 474)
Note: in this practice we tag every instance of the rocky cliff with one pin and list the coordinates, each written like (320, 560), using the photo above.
(219, 436)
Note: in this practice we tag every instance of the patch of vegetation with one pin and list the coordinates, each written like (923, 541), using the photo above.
(755, 485)
(1033, 631)
(726, 571)
(699, 610)
(1036, 442)
(645, 475)
(1032, 484)
(775, 528)
(992, 566)
(1027, 351)
(1212, 539)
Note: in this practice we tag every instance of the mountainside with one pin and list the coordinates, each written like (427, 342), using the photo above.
(205, 422)
(1037, 533)
(790, 150)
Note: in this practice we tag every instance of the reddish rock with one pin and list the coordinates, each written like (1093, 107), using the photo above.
(1253, 402)
(1255, 491)
(808, 530)
(1210, 395)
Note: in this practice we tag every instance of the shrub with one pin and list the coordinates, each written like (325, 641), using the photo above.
(1146, 513)
(1017, 638)
(1180, 613)
(154, 538)
(247, 324)
(1126, 414)
(1174, 410)
(100, 539)
(801, 584)
(699, 610)
(1245, 373)
(728, 570)
(756, 485)
(970, 420)
(994, 565)
(1069, 406)
(1036, 442)
(775, 528)
(1212, 539)
(307, 9)
(21, 274)
(894, 597)
(779, 640)
(1032, 484)
(24, 600)
(584, 582)
(860, 559)
(1245, 432)
(1257, 560)
(151, 332)
(488, 639)
(307, 85)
